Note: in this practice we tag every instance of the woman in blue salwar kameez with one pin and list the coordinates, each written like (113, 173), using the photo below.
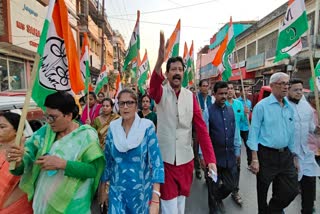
(134, 165)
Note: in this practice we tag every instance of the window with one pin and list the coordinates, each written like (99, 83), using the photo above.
(251, 49)
(12, 74)
(268, 44)
(241, 55)
(17, 78)
(4, 86)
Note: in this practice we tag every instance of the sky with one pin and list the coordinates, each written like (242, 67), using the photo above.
(200, 19)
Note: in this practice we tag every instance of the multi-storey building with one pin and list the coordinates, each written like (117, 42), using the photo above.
(256, 49)
(21, 23)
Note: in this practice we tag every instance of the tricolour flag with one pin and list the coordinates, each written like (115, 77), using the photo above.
(317, 74)
(173, 45)
(84, 63)
(185, 59)
(59, 66)
(144, 69)
(102, 79)
(190, 65)
(134, 47)
(294, 25)
(221, 59)
(118, 89)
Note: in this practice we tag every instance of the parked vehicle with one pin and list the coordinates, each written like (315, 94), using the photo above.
(14, 101)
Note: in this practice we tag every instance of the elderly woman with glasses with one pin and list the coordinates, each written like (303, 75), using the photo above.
(61, 164)
(134, 164)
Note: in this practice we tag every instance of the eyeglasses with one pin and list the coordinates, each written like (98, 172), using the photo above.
(50, 118)
(128, 103)
(282, 83)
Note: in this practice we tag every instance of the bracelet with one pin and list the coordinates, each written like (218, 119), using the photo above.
(255, 160)
(152, 201)
(157, 193)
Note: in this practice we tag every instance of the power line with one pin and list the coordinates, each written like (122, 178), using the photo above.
(174, 3)
(164, 10)
(159, 23)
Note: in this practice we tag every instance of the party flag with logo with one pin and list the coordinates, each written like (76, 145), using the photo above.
(59, 66)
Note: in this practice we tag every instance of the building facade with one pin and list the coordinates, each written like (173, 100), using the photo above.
(21, 23)
(256, 48)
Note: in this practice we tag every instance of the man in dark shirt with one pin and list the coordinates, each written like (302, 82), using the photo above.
(222, 128)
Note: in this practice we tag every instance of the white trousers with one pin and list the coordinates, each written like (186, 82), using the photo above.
(173, 206)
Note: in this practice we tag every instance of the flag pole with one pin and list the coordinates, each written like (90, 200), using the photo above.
(26, 104)
(242, 85)
(88, 108)
(316, 90)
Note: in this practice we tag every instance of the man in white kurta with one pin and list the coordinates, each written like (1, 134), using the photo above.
(304, 124)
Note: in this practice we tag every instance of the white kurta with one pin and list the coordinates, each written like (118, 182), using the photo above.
(304, 124)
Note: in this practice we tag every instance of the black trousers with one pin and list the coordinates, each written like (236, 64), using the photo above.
(195, 146)
(244, 136)
(222, 188)
(308, 194)
(278, 168)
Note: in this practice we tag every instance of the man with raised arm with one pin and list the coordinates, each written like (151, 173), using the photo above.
(177, 111)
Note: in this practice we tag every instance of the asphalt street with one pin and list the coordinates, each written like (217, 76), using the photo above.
(198, 202)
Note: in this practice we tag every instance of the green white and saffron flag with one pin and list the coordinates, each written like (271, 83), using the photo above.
(186, 57)
(221, 59)
(102, 79)
(173, 45)
(84, 63)
(144, 69)
(59, 66)
(317, 74)
(190, 64)
(294, 25)
(134, 47)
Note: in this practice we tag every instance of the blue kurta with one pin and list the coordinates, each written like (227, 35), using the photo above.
(132, 174)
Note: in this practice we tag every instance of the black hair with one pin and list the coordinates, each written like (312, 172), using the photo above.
(295, 81)
(63, 102)
(230, 83)
(82, 99)
(311, 96)
(145, 95)
(219, 84)
(109, 100)
(101, 93)
(12, 118)
(93, 95)
(128, 91)
(172, 60)
(202, 81)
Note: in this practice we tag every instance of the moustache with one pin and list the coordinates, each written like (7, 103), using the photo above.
(177, 76)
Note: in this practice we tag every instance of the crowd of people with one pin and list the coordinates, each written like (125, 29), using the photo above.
(141, 161)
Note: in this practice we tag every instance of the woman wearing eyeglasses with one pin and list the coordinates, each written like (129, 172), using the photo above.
(61, 164)
(12, 198)
(134, 164)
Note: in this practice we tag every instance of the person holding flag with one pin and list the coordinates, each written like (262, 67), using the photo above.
(177, 110)
(60, 164)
